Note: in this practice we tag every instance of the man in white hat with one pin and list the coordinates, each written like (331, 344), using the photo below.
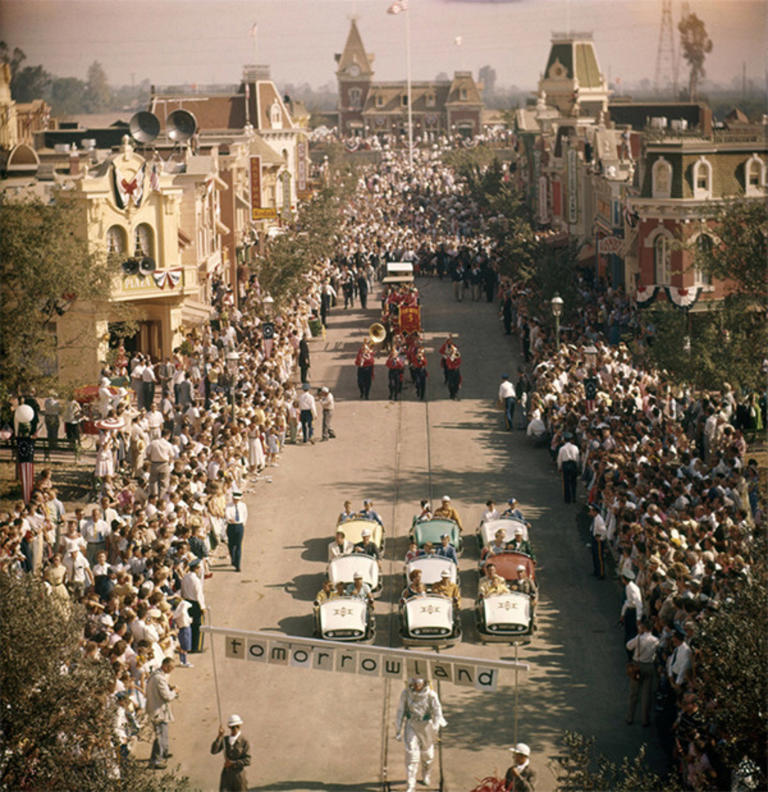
(366, 544)
(419, 719)
(445, 587)
(328, 403)
(520, 777)
(237, 517)
(237, 756)
(446, 512)
(359, 589)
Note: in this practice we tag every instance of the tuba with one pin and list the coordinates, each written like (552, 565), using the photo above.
(377, 332)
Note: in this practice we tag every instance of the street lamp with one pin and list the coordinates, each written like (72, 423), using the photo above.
(590, 353)
(233, 365)
(269, 304)
(557, 309)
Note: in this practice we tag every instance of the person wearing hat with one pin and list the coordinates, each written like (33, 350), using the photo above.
(632, 608)
(340, 546)
(453, 370)
(568, 465)
(520, 776)
(237, 756)
(643, 655)
(512, 512)
(518, 544)
(364, 362)
(446, 588)
(366, 544)
(359, 589)
(369, 513)
(446, 549)
(506, 399)
(418, 721)
(599, 534)
(236, 516)
(446, 512)
(523, 583)
(192, 591)
(307, 413)
(328, 403)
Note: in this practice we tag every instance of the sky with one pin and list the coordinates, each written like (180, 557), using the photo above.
(208, 41)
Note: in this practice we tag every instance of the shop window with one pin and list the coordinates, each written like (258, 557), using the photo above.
(143, 240)
(355, 99)
(117, 240)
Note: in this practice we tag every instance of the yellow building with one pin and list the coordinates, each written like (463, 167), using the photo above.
(164, 228)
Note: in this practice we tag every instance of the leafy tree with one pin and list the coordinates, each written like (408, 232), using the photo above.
(98, 94)
(44, 267)
(696, 45)
(58, 715)
(67, 95)
(30, 83)
(14, 59)
(581, 769)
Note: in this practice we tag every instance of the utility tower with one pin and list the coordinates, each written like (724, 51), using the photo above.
(666, 58)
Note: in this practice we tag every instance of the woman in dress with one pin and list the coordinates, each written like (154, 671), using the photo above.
(105, 461)
(55, 575)
(256, 456)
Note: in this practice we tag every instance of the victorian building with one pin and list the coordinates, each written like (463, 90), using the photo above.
(366, 107)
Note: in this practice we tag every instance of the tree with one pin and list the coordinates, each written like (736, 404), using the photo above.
(696, 45)
(44, 267)
(30, 83)
(67, 95)
(13, 59)
(582, 769)
(58, 714)
(98, 94)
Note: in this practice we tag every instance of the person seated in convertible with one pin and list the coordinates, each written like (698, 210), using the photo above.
(491, 583)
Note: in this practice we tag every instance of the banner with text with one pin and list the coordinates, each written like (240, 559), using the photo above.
(255, 187)
(363, 660)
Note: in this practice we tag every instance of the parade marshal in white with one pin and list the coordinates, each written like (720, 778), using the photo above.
(237, 517)
(418, 721)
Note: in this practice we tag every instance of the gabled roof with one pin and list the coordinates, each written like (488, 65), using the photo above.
(578, 61)
(266, 96)
(391, 94)
(463, 81)
(354, 52)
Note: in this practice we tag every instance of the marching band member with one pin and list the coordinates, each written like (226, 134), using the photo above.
(395, 364)
(453, 369)
(443, 353)
(419, 371)
(418, 721)
(364, 362)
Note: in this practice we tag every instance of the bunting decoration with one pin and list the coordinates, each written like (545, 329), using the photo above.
(128, 190)
(154, 176)
(171, 277)
(645, 295)
(352, 144)
(681, 297)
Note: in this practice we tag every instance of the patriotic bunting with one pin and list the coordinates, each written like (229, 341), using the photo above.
(681, 297)
(171, 277)
(646, 294)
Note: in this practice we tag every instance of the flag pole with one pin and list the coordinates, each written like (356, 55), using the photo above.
(408, 80)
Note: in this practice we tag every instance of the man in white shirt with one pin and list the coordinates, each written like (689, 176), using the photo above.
(148, 380)
(155, 423)
(679, 662)
(643, 653)
(632, 608)
(599, 534)
(568, 465)
(327, 402)
(192, 591)
(161, 454)
(79, 574)
(507, 400)
(307, 411)
(95, 531)
(340, 546)
(236, 516)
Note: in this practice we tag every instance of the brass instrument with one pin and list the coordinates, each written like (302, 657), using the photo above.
(377, 332)
(453, 353)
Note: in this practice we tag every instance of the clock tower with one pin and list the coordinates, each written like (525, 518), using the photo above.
(354, 73)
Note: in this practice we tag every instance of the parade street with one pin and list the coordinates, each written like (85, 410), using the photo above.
(335, 731)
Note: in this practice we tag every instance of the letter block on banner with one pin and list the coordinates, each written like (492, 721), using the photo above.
(257, 650)
(464, 675)
(369, 664)
(416, 667)
(278, 653)
(346, 661)
(234, 646)
(487, 679)
(442, 672)
(393, 668)
(323, 659)
(301, 657)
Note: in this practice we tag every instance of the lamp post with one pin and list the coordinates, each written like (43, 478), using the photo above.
(557, 309)
(233, 363)
(590, 353)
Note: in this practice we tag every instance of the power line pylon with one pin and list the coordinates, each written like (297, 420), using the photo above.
(666, 59)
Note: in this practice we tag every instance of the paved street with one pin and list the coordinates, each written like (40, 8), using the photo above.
(313, 731)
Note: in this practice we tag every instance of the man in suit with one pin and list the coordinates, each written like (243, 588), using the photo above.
(160, 694)
(237, 756)
(237, 517)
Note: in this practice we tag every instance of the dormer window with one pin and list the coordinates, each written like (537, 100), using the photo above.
(754, 176)
(404, 100)
(379, 100)
(661, 177)
(463, 94)
(702, 179)
(430, 100)
(275, 116)
(355, 99)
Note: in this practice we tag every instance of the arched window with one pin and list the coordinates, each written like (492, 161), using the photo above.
(662, 257)
(702, 179)
(355, 99)
(661, 176)
(117, 240)
(702, 277)
(754, 177)
(275, 116)
(143, 240)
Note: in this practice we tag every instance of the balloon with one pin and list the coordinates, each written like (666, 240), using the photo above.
(24, 414)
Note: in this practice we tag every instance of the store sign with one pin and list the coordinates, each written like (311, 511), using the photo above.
(286, 180)
(339, 658)
(543, 200)
(573, 186)
(301, 166)
(611, 244)
(256, 188)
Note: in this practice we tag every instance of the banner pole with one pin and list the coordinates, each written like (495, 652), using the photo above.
(215, 674)
(516, 686)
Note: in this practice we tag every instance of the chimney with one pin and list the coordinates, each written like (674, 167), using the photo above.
(74, 161)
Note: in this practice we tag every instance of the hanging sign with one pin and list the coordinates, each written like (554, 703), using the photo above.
(256, 188)
(573, 186)
(301, 167)
(337, 657)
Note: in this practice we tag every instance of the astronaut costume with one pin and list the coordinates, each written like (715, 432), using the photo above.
(421, 714)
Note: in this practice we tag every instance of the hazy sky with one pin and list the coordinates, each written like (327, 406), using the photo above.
(202, 41)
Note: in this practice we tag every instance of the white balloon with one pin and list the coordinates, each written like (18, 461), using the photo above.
(24, 413)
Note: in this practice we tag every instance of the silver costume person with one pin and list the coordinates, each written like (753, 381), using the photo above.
(419, 719)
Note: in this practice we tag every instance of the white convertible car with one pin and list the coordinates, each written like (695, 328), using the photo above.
(429, 620)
